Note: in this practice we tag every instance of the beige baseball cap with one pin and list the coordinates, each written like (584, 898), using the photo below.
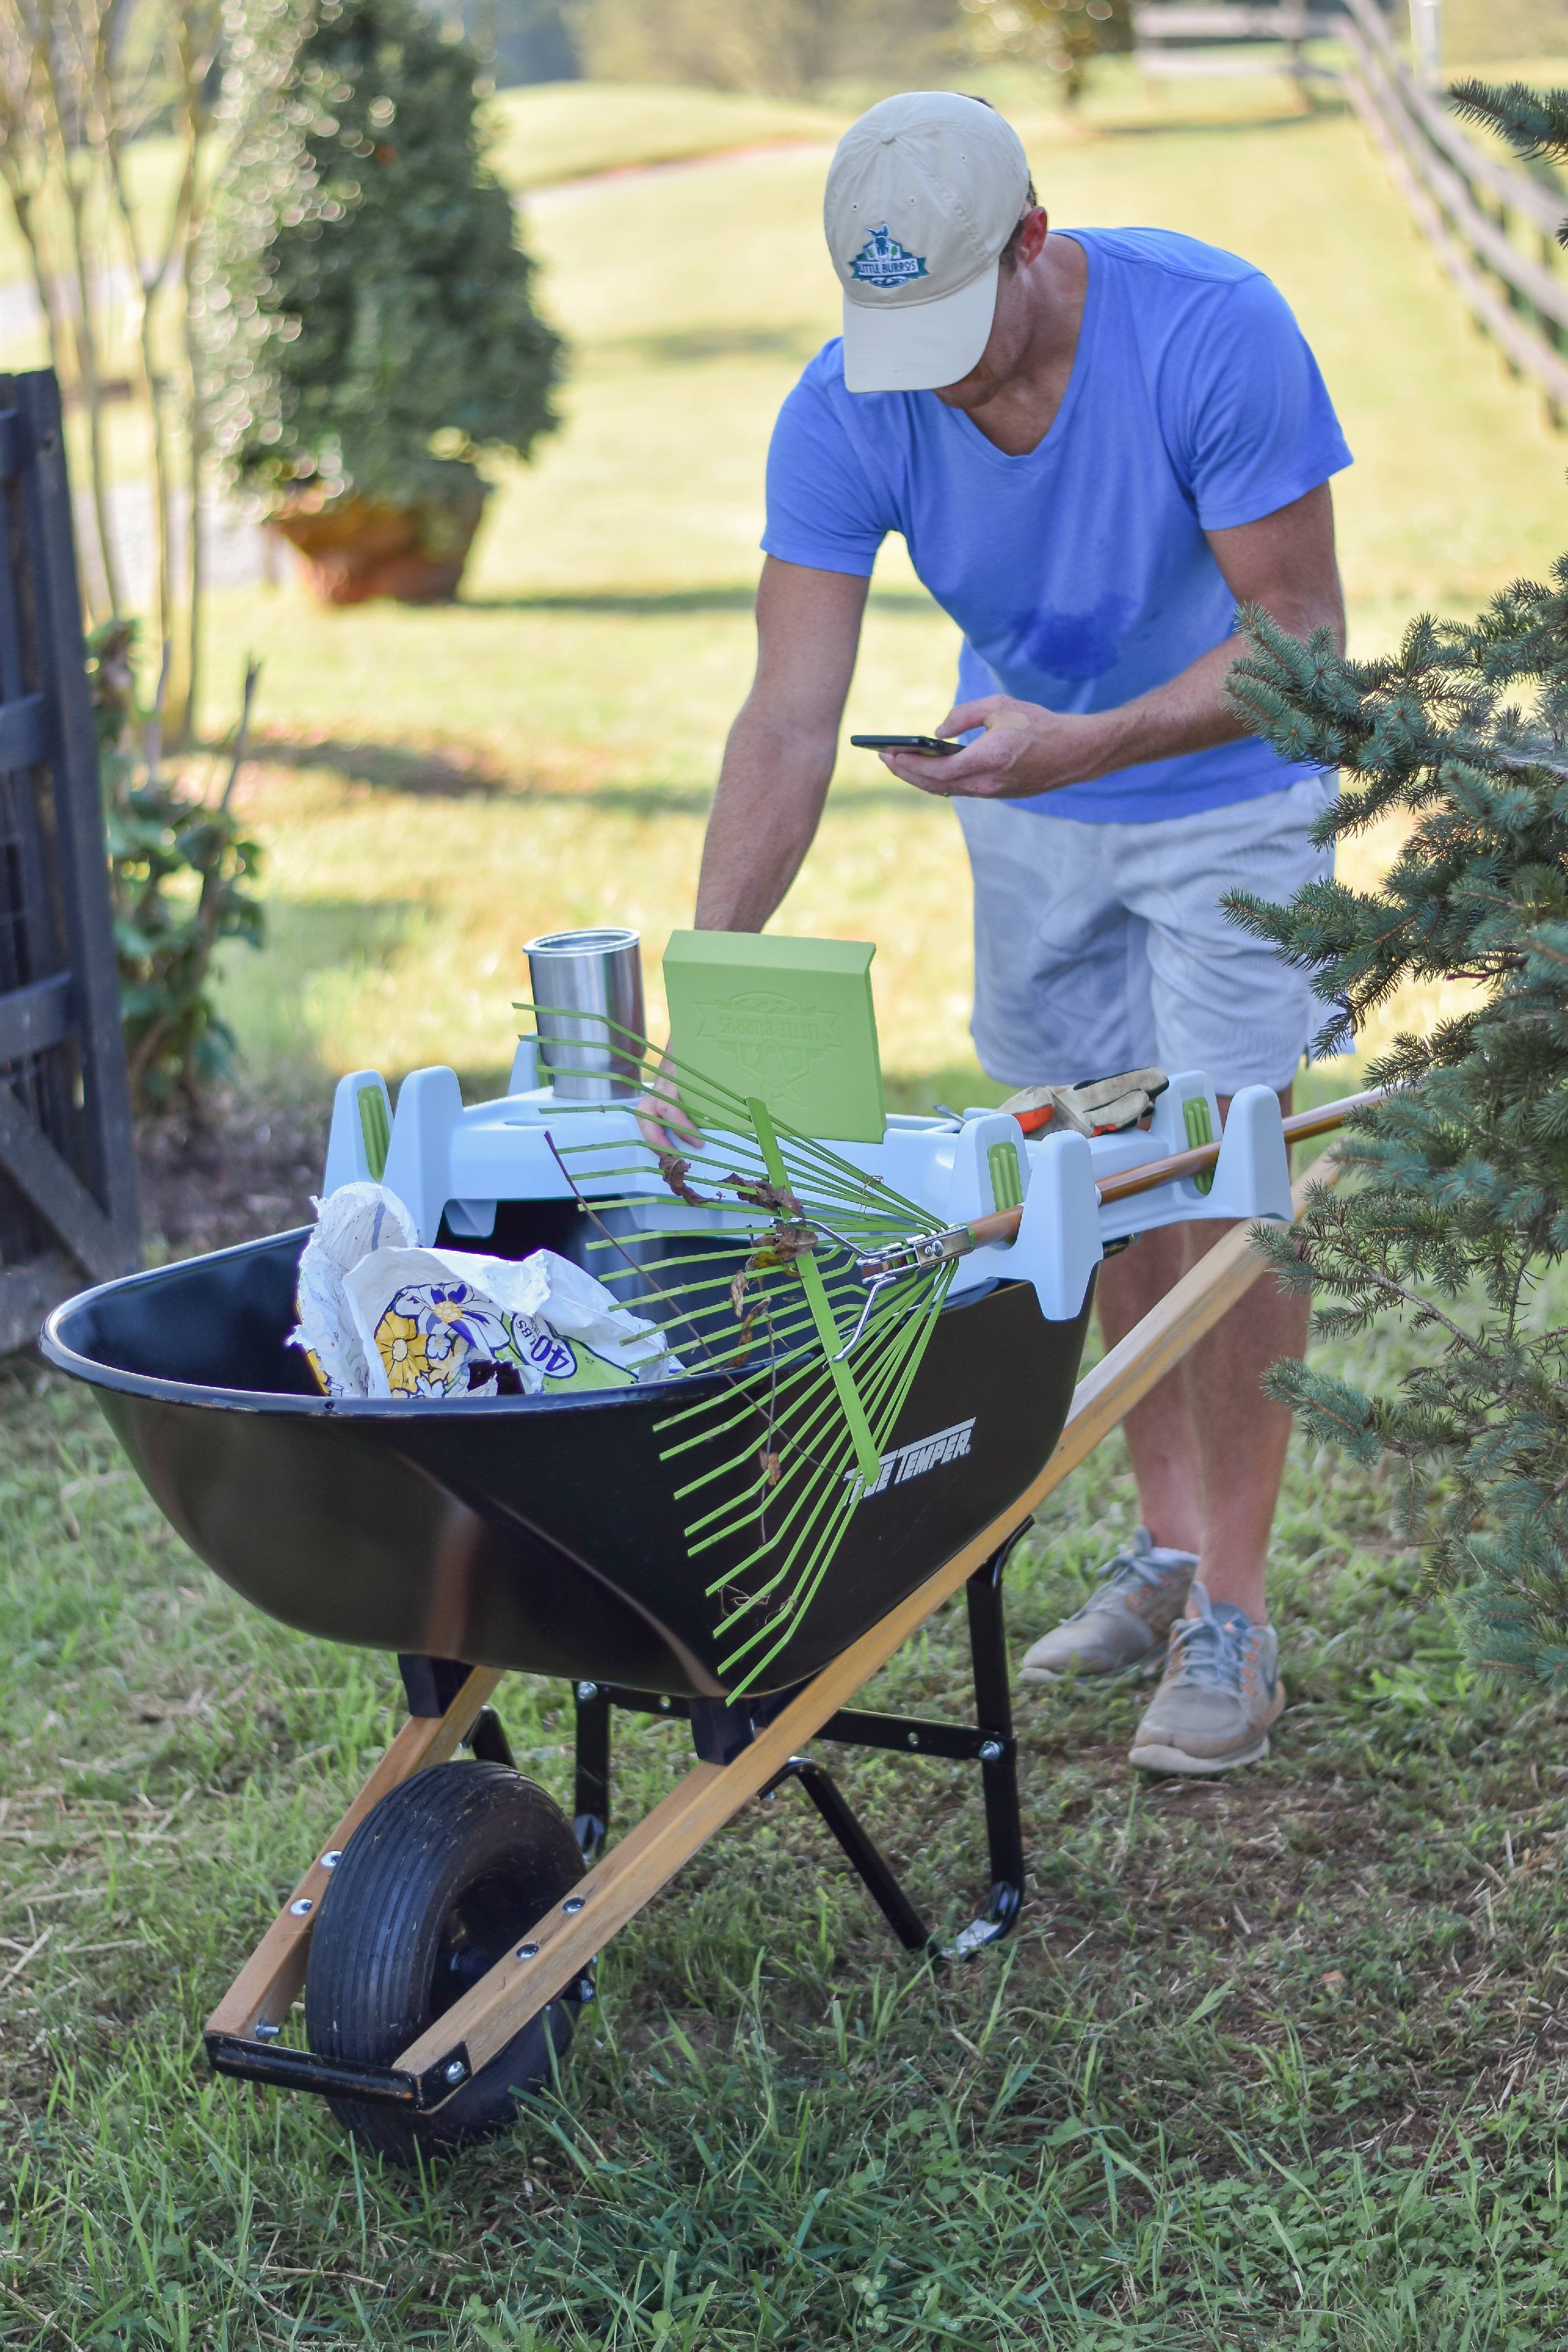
(922, 195)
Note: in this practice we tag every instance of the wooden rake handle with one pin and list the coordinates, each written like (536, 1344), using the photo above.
(1002, 1225)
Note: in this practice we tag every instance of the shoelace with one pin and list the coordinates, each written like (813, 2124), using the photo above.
(1204, 1650)
(1145, 1567)
(1144, 1570)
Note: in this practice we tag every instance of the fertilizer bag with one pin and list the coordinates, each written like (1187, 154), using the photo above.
(380, 1317)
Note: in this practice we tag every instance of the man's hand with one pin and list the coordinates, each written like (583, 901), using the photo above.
(663, 1120)
(1025, 749)
(1285, 562)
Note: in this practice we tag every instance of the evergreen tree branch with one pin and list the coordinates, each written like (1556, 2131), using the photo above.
(1455, 1215)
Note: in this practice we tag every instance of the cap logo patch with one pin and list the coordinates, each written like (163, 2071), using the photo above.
(883, 263)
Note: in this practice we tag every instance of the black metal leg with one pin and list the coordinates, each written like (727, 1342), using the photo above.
(430, 1685)
(591, 1803)
(721, 1731)
(489, 1742)
(860, 1851)
(998, 1751)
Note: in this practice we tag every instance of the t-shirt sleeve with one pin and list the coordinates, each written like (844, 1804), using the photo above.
(1254, 424)
(822, 508)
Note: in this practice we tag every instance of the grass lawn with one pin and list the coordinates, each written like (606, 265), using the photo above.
(560, 130)
(1274, 2062)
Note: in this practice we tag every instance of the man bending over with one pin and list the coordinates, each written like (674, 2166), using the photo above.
(1095, 443)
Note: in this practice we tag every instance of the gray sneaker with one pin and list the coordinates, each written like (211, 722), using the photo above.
(1141, 1594)
(1220, 1692)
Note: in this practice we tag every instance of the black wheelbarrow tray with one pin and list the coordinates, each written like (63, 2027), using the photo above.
(446, 1928)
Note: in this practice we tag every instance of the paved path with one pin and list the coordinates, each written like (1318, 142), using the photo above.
(21, 312)
(237, 552)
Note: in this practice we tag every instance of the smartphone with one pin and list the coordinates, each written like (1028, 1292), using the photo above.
(937, 746)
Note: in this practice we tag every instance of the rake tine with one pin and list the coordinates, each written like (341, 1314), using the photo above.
(800, 1435)
(797, 1440)
(811, 1410)
(708, 1405)
(899, 1375)
(835, 1468)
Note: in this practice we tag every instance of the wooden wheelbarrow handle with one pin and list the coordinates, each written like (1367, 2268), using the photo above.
(1002, 1225)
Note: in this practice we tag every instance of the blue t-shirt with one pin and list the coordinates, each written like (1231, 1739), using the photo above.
(1079, 573)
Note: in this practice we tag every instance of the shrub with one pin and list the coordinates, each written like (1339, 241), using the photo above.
(180, 865)
(365, 308)
(1066, 36)
(788, 48)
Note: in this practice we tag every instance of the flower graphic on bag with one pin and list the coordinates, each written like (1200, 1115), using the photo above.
(437, 1340)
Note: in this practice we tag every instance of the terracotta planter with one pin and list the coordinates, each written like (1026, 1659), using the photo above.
(355, 549)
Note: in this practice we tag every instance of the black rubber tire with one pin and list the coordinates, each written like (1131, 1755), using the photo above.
(435, 1884)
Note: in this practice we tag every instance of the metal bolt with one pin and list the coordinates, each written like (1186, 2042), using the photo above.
(267, 2032)
(913, 1738)
(990, 1750)
(586, 1691)
(528, 1952)
(572, 1903)
(302, 1907)
(455, 2070)
(330, 1861)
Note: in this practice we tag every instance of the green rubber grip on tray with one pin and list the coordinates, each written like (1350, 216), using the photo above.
(1200, 1130)
(376, 1134)
(1006, 1176)
(868, 1459)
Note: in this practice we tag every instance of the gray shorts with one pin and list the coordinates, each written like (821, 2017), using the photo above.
(1101, 948)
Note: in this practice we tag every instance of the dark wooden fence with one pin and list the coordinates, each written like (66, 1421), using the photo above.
(1467, 200)
(1492, 225)
(1173, 38)
(68, 1184)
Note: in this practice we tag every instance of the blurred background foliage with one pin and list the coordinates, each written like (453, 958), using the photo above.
(795, 48)
(364, 302)
(1065, 36)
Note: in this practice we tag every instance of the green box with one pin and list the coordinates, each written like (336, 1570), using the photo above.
(790, 1021)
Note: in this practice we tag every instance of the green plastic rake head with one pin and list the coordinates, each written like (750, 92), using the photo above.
(754, 1274)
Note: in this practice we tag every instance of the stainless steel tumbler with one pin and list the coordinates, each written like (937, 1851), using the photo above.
(587, 989)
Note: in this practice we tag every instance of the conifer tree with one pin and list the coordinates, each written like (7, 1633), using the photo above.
(1455, 1216)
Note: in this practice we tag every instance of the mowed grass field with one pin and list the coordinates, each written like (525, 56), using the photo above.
(1275, 2063)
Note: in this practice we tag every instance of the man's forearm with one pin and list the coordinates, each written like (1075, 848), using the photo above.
(1028, 749)
(1189, 713)
(1284, 562)
(765, 813)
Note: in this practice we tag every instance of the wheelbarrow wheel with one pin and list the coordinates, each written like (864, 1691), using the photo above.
(434, 1886)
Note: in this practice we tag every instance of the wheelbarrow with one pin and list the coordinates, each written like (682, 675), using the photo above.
(443, 1935)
